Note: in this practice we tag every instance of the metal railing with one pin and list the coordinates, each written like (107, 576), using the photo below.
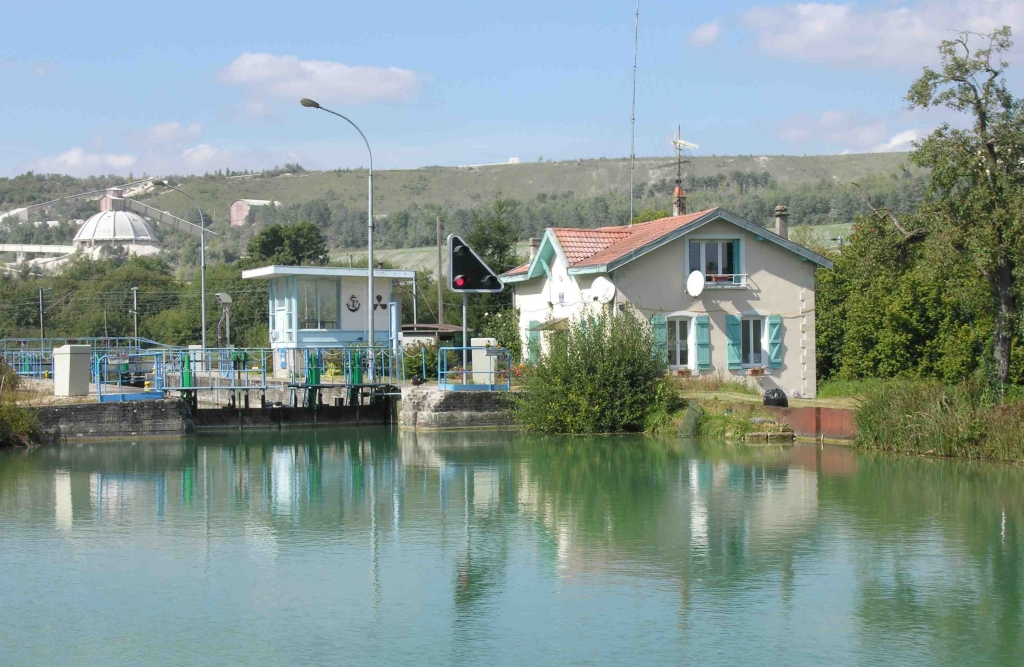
(724, 279)
(354, 365)
(216, 368)
(129, 377)
(485, 369)
(33, 357)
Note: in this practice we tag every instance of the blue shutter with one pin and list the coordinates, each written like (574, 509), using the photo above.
(775, 341)
(532, 341)
(703, 342)
(659, 330)
(734, 331)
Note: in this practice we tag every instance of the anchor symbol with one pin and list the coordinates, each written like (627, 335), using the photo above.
(352, 304)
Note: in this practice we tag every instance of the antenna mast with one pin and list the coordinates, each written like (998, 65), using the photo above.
(632, 116)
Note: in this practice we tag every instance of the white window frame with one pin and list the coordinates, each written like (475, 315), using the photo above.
(738, 261)
(745, 321)
(691, 337)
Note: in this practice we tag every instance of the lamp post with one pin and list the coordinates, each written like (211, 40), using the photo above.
(202, 255)
(370, 305)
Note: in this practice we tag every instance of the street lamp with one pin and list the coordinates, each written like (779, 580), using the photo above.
(370, 305)
(202, 255)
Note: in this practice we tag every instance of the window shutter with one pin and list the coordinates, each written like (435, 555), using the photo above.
(734, 332)
(775, 341)
(659, 330)
(703, 335)
(533, 341)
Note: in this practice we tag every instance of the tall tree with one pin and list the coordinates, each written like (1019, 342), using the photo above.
(977, 183)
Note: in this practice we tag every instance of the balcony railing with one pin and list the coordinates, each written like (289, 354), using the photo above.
(725, 280)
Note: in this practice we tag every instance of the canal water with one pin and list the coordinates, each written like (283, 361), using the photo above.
(379, 547)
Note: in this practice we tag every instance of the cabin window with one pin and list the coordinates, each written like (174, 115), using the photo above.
(678, 342)
(717, 259)
(752, 343)
(318, 304)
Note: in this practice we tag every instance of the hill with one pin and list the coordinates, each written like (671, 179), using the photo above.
(396, 190)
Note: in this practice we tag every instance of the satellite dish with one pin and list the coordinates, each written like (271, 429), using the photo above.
(603, 290)
(695, 283)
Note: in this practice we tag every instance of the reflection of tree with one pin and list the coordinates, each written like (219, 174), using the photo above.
(939, 553)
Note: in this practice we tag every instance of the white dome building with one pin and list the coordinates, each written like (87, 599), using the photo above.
(116, 228)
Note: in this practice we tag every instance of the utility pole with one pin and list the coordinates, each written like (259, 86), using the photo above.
(440, 293)
(42, 330)
(415, 319)
(135, 311)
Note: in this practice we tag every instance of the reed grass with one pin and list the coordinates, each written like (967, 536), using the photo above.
(925, 417)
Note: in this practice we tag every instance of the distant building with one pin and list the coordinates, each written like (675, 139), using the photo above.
(243, 210)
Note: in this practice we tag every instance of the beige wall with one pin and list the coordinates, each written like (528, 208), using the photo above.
(779, 283)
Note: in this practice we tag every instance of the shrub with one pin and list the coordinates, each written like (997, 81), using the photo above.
(926, 417)
(17, 424)
(414, 357)
(503, 326)
(600, 375)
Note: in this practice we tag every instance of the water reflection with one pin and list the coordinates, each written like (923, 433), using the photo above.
(455, 546)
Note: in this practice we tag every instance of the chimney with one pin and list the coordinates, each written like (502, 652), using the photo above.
(781, 225)
(679, 201)
(534, 247)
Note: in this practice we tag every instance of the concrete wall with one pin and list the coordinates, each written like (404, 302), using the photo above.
(779, 283)
(432, 408)
(91, 421)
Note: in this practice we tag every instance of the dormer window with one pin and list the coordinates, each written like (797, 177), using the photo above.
(717, 259)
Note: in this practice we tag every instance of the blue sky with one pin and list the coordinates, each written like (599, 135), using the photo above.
(197, 86)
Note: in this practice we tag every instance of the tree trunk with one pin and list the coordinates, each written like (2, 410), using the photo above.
(1005, 316)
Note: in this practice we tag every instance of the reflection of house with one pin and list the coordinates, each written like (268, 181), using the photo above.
(325, 306)
(755, 316)
(243, 211)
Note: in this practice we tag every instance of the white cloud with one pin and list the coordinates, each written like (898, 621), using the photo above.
(77, 162)
(883, 33)
(205, 157)
(844, 132)
(899, 142)
(172, 132)
(269, 75)
(705, 34)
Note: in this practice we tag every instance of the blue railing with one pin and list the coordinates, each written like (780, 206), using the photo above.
(474, 369)
(352, 365)
(33, 357)
(216, 368)
(129, 377)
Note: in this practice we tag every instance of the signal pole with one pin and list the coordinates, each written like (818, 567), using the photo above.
(42, 330)
(440, 295)
(135, 312)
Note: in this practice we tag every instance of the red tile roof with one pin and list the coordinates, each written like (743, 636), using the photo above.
(595, 247)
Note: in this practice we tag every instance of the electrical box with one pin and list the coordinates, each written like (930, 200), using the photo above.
(483, 363)
(72, 370)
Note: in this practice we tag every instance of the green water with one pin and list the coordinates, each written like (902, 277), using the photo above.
(379, 547)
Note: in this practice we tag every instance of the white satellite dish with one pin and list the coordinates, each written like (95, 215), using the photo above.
(603, 290)
(695, 283)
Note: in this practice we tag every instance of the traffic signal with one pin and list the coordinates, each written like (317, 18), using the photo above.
(467, 272)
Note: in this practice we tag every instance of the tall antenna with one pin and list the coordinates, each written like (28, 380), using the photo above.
(632, 116)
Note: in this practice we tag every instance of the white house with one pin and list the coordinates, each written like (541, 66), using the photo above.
(753, 321)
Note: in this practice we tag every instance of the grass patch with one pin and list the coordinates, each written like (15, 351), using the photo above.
(720, 422)
(836, 388)
(706, 384)
(928, 418)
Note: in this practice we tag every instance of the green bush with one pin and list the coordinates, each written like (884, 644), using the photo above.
(926, 417)
(414, 356)
(17, 424)
(503, 326)
(601, 375)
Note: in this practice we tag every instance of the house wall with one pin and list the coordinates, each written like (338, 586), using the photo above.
(239, 213)
(779, 283)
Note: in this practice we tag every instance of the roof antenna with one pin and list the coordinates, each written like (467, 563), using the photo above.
(679, 195)
(632, 116)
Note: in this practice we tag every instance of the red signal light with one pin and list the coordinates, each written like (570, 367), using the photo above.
(459, 281)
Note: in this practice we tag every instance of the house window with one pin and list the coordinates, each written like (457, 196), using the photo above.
(678, 342)
(716, 259)
(751, 344)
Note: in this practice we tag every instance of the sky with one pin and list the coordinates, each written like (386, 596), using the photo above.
(191, 87)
